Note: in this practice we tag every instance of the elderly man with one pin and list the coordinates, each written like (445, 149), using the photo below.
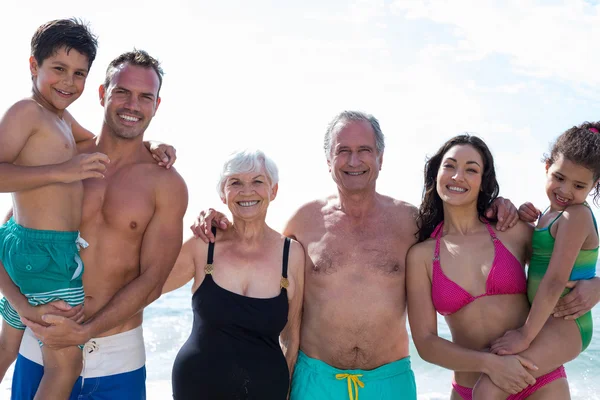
(353, 335)
(132, 220)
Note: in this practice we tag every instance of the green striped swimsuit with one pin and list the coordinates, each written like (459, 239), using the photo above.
(584, 268)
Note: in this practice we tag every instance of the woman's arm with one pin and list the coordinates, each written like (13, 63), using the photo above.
(572, 231)
(290, 336)
(506, 373)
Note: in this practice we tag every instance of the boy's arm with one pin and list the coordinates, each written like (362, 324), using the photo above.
(19, 123)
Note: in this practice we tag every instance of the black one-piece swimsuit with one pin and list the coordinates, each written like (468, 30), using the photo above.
(233, 352)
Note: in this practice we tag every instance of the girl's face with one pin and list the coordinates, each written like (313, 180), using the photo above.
(567, 183)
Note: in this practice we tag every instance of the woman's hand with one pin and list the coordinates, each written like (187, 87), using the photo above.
(510, 373)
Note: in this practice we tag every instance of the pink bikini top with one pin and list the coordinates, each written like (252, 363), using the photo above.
(505, 277)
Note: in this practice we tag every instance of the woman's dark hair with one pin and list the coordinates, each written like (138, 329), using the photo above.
(431, 211)
(581, 145)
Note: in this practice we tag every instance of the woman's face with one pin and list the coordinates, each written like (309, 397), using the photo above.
(248, 194)
(459, 178)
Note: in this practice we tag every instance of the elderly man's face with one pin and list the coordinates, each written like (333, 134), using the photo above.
(249, 194)
(355, 162)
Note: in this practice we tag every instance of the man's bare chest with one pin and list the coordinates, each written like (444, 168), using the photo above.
(123, 202)
(334, 252)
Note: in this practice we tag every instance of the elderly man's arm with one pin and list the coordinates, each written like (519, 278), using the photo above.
(160, 246)
(290, 336)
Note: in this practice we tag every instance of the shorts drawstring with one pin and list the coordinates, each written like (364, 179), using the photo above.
(355, 380)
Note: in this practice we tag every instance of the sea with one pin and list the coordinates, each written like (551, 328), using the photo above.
(168, 322)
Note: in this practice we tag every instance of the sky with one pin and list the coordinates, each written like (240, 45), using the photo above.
(272, 74)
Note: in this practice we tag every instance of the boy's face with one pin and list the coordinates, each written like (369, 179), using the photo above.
(60, 79)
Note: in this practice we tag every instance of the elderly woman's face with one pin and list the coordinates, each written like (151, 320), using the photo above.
(248, 194)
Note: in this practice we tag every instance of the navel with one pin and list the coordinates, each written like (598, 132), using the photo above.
(133, 224)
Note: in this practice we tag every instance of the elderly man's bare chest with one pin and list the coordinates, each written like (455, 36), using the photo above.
(358, 251)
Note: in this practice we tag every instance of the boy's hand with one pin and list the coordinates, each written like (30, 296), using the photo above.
(82, 166)
(163, 153)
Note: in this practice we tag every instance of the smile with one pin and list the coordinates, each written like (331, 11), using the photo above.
(63, 93)
(561, 199)
(456, 189)
(355, 173)
(128, 118)
(248, 203)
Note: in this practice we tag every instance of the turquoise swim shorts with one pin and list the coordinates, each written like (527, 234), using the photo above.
(45, 265)
(315, 380)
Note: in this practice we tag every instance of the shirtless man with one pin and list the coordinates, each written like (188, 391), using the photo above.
(353, 333)
(132, 220)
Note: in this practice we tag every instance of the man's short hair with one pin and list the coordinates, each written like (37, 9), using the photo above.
(139, 58)
(68, 33)
(346, 116)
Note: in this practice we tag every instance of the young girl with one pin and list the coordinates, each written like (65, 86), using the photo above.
(565, 248)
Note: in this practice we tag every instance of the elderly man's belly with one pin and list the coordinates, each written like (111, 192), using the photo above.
(353, 334)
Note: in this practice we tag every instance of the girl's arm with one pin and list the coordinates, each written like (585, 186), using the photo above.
(572, 231)
(506, 372)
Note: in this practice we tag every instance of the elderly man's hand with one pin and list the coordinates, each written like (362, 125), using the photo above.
(505, 211)
(207, 219)
(585, 294)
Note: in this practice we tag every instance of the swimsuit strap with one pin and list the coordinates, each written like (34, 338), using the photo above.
(438, 235)
(554, 220)
(208, 269)
(490, 230)
(593, 216)
(286, 253)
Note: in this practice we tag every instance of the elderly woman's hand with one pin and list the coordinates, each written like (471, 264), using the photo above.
(205, 221)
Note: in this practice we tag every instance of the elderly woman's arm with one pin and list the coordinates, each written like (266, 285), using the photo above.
(184, 268)
(290, 336)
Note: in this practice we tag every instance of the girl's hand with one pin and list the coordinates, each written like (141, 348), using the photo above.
(512, 342)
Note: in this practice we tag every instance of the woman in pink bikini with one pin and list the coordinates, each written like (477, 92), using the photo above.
(474, 277)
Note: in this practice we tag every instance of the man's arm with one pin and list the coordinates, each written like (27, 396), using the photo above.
(159, 250)
(160, 246)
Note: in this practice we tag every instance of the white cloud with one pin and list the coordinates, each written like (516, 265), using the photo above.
(545, 41)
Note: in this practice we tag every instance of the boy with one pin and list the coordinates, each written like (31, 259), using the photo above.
(39, 164)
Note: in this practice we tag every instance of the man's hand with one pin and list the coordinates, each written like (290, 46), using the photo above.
(585, 294)
(59, 307)
(505, 211)
(163, 153)
(529, 213)
(207, 219)
(61, 332)
(82, 166)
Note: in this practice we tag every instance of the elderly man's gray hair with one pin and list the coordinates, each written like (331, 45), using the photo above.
(244, 161)
(346, 116)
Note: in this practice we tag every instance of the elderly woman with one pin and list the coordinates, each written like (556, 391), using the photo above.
(247, 290)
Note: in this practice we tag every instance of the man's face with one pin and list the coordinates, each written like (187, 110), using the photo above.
(130, 100)
(354, 162)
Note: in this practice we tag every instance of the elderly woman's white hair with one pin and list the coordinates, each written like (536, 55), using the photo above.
(244, 161)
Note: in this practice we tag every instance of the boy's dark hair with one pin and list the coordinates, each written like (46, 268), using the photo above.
(581, 145)
(138, 58)
(431, 211)
(68, 33)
